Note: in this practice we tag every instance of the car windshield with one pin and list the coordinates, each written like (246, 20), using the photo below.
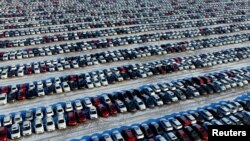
(15, 131)
(61, 121)
(50, 123)
(122, 106)
(2, 98)
(38, 125)
(26, 127)
(93, 112)
(59, 110)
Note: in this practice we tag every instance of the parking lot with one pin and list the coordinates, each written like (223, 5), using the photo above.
(124, 70)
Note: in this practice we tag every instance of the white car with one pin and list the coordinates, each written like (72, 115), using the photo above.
(40, 92)
(59, 109)
(49, 124)
(106, 99)
(49, 111)
(121, 107)
(26, 128)
(58, 88)
(17, 118)
(4, 75)
(65, 87)
(39, 84)
(61, 122)
(138, 133)
(87, 102)
(57, 80)
(96, 82)
(7, 120)
(157, 100)
(93, 112)
(89, 84)
(20, 72)
(59, 67)
(38, 126)
(78, 105)
(28, 115)
(68, 106)
(15, 131)
(37, 70)
(104, 81)
(48, 82)
(38, 113)
(140, 104)
(116, 135)
(75, 65)
(3, 98)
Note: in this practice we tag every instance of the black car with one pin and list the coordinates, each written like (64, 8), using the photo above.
(149, 101)
(215, 87)
(188, 95)
(164, 98)
(214, 112)
(180, 94)
(156, 128)
(31, 93)
(200, 90)
(148, 133)
(207, 88)
(131, 105)
(12, 96)
(192, 133)
(197, 116)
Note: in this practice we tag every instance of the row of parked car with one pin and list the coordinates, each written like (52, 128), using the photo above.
(96, 11)
(186, 126)
(42, 8)
(170, 47)
(170, 18)
(113, 75)
(153, 12)
(127, 39)
(75, 62)
(122, 30)
(71, 113)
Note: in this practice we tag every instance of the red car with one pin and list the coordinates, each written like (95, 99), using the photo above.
(3, 134)
(162, 69)
(28, 70)
(182, 135)
(71, 120)
(112, 109)
(230, 74)
(103, 111)
(43, 68)
(183, 120)
(206, 79)
(1, 35)
(128, 135)
(73, 77)
(22, 87)
(21, 95)
(96, 101)
(5, 89)
(81, 117)
(198, 80)
(201, 131)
